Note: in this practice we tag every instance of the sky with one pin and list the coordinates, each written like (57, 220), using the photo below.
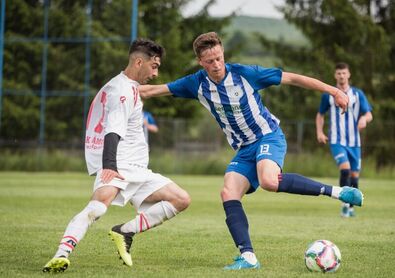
(264, 8)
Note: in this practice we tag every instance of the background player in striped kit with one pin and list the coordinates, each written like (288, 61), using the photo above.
(230, 93)
(117, 153)
(344, 137)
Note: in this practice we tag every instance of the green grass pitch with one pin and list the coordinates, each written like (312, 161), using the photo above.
(36, 207)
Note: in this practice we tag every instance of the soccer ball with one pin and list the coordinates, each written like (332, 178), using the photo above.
(323, 256)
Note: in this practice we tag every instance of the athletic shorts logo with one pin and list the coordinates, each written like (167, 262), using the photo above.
(264, 149)
(122, 99)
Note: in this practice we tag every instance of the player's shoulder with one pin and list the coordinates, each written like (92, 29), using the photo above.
(240, 68)
(357, 90)
(120, 84)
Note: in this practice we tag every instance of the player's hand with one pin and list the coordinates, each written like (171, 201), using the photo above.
(362, 123)
(108, 175)
(341, 99)
(322, 138)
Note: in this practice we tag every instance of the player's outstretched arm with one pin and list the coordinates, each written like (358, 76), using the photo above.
(148, 91)
(306, 82)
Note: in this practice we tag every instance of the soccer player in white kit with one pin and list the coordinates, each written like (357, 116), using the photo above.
(117, 153)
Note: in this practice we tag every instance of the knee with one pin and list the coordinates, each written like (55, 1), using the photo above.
(269, 183)
(227, 194)
(183, 201)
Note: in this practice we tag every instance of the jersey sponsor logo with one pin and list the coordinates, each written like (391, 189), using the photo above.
(228, 110)
(122, 99)
(234, 163)
(93, 143)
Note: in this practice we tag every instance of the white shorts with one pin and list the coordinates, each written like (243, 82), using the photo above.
(139, 183)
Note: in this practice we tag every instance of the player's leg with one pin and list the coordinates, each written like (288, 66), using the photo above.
(270, 157)
(235, 186)
(156, 200)
(344, 180)
(355, 165)
(79, 225)
(161, 205)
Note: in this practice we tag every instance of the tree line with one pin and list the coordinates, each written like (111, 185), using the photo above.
(358, 32)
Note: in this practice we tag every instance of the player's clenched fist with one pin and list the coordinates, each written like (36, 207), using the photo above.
(341, 99)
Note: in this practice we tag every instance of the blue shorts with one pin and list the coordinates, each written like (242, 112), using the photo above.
(343, 154)
(271, 146)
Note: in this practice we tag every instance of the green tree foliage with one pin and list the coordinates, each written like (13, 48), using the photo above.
(360, 33)
(160, 20)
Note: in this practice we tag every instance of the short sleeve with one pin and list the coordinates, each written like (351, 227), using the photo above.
(185, 87)
(150, 119)
(260, 77)
(324, 105)
(364, 103)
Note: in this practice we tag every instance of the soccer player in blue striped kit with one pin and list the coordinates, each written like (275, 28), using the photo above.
(230, 93)
(344, 137)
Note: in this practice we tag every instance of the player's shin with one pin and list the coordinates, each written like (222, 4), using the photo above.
(344, 179)
(237, 223)
(153, 216)
(297, 184)
(78, 226)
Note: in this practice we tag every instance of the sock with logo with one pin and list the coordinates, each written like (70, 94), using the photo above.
(78, 226)
(297, 184)
(152, 217)
(237, 223)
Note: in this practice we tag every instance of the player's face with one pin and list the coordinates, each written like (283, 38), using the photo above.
(212, 60)
(342, 76)
(149, 70)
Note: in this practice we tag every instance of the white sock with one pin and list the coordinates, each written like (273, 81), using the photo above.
(78, 226)
(250, 257)
(153, 216)
(336, 192)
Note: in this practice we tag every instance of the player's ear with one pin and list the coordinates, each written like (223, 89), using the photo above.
(139, 62)
(199, 61)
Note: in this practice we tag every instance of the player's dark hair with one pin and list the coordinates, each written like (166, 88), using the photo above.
(341, 66)
(147, 47)
(205, 41)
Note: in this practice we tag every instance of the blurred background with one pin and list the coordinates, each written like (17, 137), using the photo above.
(55, 56)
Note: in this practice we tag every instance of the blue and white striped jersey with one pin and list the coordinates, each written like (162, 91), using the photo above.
(343, 128)
(235, 102)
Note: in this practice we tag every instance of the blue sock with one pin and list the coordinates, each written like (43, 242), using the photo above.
(344, 177)
(297, 184)
(237, 223)
(354, 182)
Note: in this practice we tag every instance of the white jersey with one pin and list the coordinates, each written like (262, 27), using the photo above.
(116, 108)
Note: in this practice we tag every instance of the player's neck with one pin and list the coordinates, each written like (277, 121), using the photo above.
(130, 74)
(344, 87)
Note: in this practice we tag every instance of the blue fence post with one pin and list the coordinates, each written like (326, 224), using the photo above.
(87, 64)
(133, 24)
(44, 75)
(2, 27)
